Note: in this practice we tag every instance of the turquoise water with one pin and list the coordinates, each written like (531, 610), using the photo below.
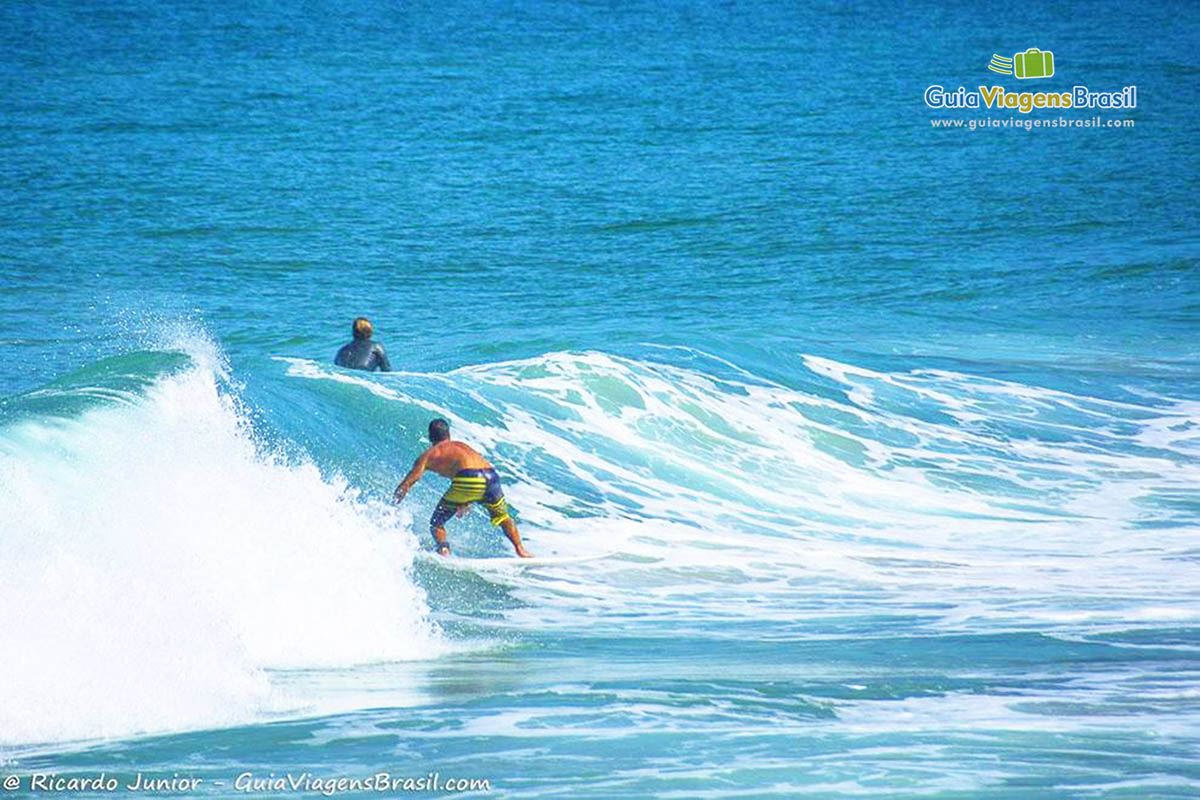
(892, 434)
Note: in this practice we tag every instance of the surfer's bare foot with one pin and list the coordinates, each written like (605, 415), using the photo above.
(523, 553)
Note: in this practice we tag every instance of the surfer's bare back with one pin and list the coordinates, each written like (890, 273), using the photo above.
(472, 479)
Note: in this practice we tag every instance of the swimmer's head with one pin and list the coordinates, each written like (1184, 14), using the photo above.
(439, 431)
(362, 328)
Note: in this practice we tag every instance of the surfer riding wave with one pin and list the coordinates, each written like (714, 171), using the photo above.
(472, 480)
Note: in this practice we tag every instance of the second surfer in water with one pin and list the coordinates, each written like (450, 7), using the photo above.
(472, 479)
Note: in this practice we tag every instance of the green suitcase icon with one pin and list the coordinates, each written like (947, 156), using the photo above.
(1033, 63)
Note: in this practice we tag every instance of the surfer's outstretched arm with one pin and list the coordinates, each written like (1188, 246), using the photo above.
(412, 477)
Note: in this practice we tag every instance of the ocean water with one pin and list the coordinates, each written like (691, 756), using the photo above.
(892, 434)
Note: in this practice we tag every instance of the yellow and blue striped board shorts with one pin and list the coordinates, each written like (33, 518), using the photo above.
(472, 486)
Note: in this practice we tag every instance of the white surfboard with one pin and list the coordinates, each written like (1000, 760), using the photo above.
(505, 562)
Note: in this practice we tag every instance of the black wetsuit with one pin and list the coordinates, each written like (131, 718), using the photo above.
(363, 354)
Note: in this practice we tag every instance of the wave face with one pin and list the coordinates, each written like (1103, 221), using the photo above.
(1002, 504)
(158, 562)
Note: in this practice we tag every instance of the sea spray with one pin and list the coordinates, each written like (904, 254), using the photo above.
(156, 563)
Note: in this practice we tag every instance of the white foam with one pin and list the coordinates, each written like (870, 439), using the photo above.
(155, 564)
(999, 504)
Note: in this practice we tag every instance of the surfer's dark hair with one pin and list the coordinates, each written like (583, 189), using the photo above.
(439, 430)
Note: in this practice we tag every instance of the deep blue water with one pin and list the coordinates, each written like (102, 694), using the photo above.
(892, 433)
